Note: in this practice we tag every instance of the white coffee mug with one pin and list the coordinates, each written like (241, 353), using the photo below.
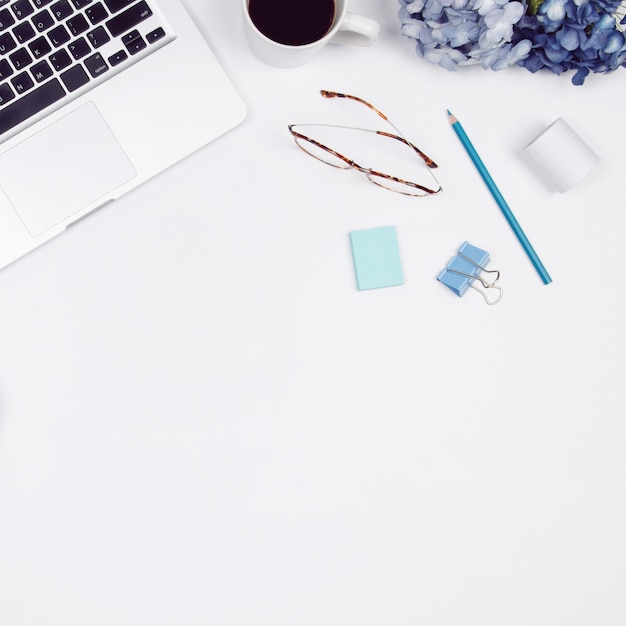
(346, 28)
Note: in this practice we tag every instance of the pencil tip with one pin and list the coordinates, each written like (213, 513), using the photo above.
(451, 117)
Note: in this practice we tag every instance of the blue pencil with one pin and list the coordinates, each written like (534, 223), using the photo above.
(500, 201)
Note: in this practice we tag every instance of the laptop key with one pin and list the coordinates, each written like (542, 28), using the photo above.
(20, 58)
(61, 10)
(6, 94)
(22, 9)
(77, 24)
(41, 71)
(6, 19)
(60, 59)
(98, 37)
(74, 78)
(7, 43)
(155, 35)
(30, 104)
(129, 18)
(43, 20)
(5, 69)
(21, 83)
(133, 41)
(59, 35)
(79, 48)
(24, 32)
(96, 13)
(117, 58)
(96, 65)
(39, 47)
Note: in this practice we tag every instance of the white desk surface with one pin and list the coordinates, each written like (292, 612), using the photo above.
(203, 422)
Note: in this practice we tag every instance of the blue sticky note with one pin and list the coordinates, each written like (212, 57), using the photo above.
(376, 257)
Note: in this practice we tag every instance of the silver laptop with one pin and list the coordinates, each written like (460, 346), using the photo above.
(96, 97)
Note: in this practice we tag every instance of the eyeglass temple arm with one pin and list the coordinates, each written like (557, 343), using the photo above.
(429, 162)
(335, 94)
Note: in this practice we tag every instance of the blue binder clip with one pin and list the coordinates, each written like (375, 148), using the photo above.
(465, 268)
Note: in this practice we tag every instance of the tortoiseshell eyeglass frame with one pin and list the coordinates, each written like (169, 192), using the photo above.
(371, 174)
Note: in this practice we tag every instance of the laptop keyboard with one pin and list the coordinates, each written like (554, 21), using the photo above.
(52, 51)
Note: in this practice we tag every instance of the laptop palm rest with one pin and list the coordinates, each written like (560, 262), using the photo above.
(88, 164)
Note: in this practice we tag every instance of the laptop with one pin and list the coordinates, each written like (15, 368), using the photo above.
(96, 97)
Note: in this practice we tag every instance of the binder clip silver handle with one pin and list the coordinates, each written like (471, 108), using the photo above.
(485, 284)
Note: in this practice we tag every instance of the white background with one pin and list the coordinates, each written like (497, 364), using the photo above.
(203, 422)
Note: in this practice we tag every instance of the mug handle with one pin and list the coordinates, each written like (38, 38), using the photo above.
(357, 30)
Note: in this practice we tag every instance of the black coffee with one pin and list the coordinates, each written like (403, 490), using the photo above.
(293, 22)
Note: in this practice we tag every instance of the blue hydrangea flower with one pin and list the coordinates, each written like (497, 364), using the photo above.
(579, 35)
(454, 33)
(558, 35)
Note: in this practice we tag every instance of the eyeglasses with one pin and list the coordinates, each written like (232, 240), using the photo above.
(330, 156)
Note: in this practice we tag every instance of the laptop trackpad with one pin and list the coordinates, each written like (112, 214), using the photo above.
(63, 168)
